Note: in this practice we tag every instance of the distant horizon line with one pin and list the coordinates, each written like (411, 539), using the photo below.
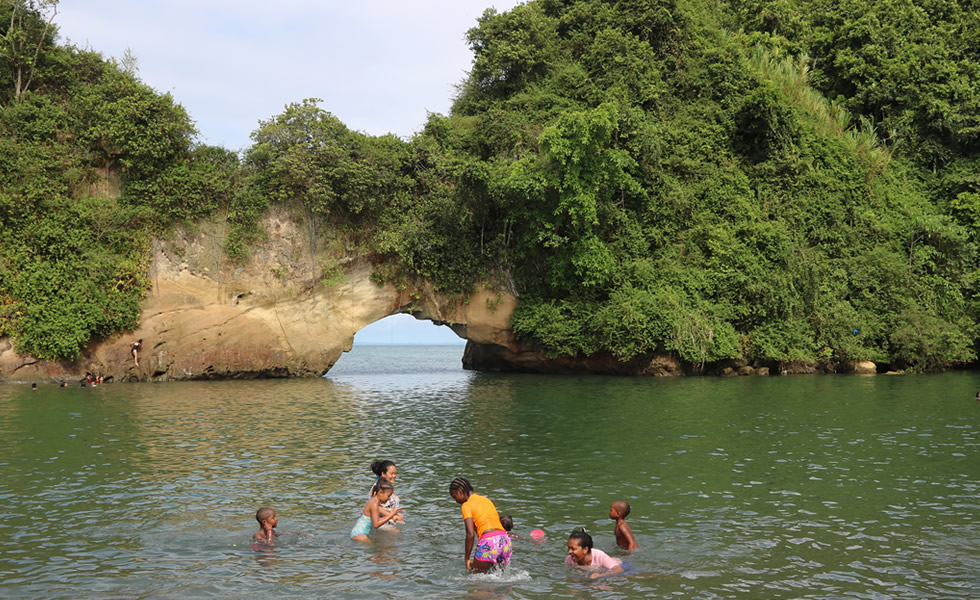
(460, 343)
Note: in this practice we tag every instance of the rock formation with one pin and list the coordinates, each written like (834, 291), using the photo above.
(293, 308)
(280, 314)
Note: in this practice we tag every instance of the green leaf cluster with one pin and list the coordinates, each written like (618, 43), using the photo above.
(93, 163)
(395, 198)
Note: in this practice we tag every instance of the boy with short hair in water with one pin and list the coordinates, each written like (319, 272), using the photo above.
(624, 535)
(267, 525)
(508, 522)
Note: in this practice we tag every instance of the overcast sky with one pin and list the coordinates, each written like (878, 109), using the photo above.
(379, 65)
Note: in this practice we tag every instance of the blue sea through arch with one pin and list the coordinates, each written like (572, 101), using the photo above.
(765, 487)
(406, 330)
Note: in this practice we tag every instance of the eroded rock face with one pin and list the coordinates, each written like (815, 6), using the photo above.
(289, 311)
(293, 308)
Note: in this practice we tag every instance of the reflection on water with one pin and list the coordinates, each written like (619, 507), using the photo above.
(810, 487)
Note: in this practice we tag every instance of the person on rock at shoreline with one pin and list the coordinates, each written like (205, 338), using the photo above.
(135, 350)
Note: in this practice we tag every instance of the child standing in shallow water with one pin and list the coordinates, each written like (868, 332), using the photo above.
(268, 521)
(483, 529)
(371, 518)
(618, 512)
(386, 469)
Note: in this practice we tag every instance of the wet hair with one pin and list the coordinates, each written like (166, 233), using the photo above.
(381, 485)
(622, 507)
(584, 539)
(460, 484)
(507, 521)
(264, 514)
(380, 467)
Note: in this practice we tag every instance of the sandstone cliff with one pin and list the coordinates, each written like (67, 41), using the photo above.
(289, 311)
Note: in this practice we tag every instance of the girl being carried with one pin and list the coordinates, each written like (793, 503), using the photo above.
(371, 517)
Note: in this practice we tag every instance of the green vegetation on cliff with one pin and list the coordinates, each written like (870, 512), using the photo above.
(92, 163)
(777, 181)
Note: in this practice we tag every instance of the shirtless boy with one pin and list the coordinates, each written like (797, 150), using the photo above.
(624, 535)
(267, 525)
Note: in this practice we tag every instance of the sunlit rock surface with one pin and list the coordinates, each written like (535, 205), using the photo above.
(291, 310)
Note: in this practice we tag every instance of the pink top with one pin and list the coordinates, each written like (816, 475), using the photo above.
(600, 560)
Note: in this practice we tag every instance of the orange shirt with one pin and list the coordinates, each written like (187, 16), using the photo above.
(483, 512)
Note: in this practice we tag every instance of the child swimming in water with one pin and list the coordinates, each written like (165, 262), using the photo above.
(618, 512)
(268, 521)
(582, 554)
(371, 517)
(267, 525)
(508, 522)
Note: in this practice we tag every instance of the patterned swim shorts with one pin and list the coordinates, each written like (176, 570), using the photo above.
(494, 547)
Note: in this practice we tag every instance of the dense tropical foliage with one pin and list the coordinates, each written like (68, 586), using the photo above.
(780, 181)
(771, 180)
(92, 163)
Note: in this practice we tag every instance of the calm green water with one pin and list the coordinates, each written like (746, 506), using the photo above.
(780, 487)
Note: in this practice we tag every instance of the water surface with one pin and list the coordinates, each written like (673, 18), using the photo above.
(777, 487)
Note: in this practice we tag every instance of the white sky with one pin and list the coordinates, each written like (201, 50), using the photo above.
(379, 65)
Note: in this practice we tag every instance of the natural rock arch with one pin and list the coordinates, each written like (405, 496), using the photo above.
(283, 314)
(199, 328)
(276, 315)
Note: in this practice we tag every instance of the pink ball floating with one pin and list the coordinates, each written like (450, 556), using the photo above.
(537, 535)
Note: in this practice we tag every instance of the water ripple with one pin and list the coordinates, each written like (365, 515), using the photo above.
(763, 487)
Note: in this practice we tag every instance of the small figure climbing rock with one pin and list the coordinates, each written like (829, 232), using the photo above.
(137, 346)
